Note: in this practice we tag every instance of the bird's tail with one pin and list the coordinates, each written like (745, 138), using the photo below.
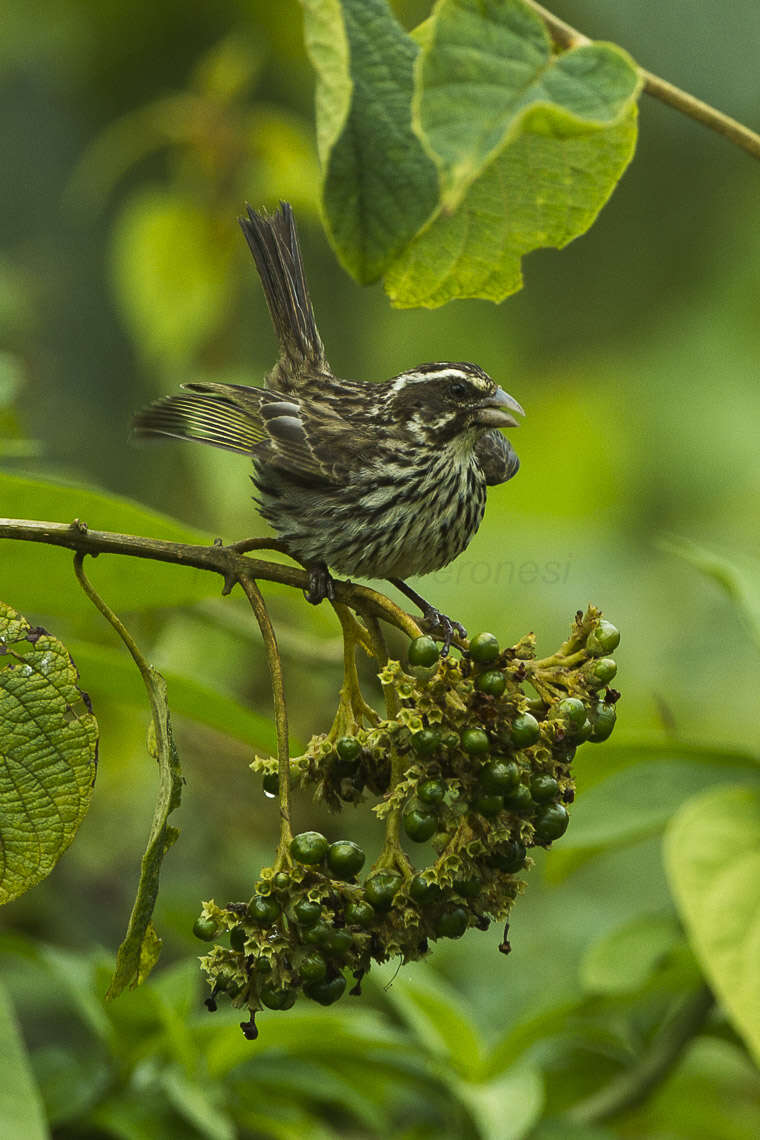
(273, 241)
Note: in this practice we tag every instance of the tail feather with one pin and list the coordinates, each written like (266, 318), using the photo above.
(273, 241)
(205, 419)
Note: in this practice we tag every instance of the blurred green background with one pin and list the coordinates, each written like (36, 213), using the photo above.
(133, 134)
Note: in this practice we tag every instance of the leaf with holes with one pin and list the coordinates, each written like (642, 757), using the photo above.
(48, 753)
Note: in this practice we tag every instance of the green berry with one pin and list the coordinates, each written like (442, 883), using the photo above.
(359, 913)
(543, 787)
(426, 742)
(431, 791)
(551, 821)
(468, 888)
(205, 928)
(349, 750)
(492, 682)
(422, 889)
(308, 847)
(484, 648)
(488, 805)
(525, 730)
(380, 889)
(573, 711)
(263, 910)
(281, 881)
(262, 966)
(238, 938)
(508, 857)
(273, 997)
(312, 967)
(424, 652)
(271, 783)
(318, 934)
(339, 942)
(345, 858)
(520, 800)
(603, 639)
(326, 992)
(474, 741)
(499, 776)
(601, 671)
(420, 824)
(603, 719)
(307, 912)
(452, 923)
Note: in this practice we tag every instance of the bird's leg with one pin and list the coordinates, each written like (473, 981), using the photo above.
(439, 622)
(320, 584)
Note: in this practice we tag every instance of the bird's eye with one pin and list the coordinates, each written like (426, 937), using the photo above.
(459, 389)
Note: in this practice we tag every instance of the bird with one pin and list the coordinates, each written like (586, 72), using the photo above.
(370, 479)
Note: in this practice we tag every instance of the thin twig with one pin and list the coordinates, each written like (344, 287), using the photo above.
(567, 36)
(253, 593)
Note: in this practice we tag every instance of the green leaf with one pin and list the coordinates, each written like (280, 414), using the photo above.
(48, 753)
(379, 184)
(638, 801)
(507, 1107)
(487, 72)
(21, 1110)
(39, 578)
(738, 577)
(195, 1102)
(541, 191)
(171, 274)
(110, 675)
(141, 946)
(440, 1021)
(624, 960)
(712, 857)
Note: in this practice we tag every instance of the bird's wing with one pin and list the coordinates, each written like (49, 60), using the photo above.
(256, 422)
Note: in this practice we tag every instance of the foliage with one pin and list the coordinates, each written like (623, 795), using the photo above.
(637, 347)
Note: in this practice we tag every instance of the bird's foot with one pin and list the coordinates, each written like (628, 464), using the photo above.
(320, 586)
(444, 626)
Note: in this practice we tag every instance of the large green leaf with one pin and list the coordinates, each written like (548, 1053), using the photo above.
(48, 753)
(39, 579)
(379, 184)
(487, 72)
(449, 154)
(21, 1110)
(712, 856)
(541, 191)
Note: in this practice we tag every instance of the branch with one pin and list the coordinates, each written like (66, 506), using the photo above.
(567, 36)
(226, 561)
(633, 1087)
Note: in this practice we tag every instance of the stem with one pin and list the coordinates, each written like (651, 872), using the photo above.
(118, 625)
(352, 707)
(633, 1087)
(253, 593)
(224, 560)
(567, 36)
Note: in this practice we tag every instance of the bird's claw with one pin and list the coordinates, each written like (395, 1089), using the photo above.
(445, 626)
(320, 586)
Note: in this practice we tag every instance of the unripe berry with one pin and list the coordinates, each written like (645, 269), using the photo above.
(525, 730)
(423, 652)
(484, 648)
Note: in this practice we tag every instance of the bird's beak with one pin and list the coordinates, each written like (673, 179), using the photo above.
(495, 410)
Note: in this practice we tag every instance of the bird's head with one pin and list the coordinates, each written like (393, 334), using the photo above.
(444, 401)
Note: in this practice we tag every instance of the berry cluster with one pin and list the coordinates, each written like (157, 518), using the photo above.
(470, 764)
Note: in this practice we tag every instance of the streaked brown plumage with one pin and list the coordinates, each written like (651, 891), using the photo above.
(381, 480)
